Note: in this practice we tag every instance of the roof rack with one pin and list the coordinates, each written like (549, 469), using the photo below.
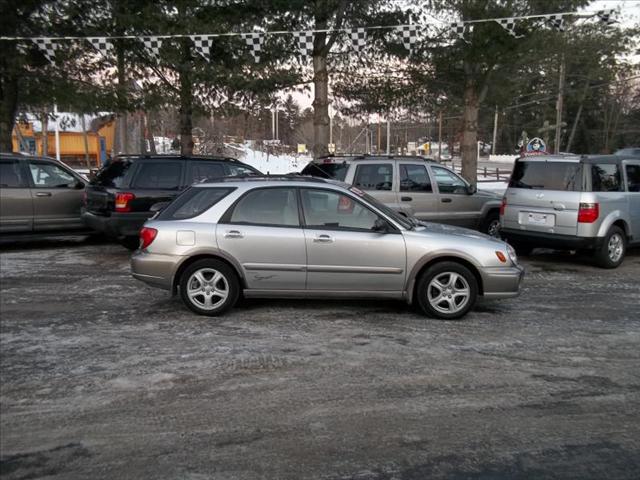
(265, 178)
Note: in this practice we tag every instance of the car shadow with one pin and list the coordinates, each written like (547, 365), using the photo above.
(549, 259)
(43, 242)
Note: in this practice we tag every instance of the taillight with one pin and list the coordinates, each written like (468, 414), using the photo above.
(503, 205)
(122, 201)
(588, 212)
(147, 235)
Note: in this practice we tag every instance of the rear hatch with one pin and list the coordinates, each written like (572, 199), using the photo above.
(100, 193)
(544, 195)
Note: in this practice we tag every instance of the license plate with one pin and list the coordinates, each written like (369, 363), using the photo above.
(538, 218)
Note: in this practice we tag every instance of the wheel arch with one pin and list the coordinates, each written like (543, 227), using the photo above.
(616, 219)
(415, 276)
(175, 281)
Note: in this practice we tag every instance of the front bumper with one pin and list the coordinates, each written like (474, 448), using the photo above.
(501, 282)
(117, 224)
(154, 269)
(550, 240)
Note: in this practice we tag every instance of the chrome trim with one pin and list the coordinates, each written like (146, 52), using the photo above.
(353, 269)
(273, 267)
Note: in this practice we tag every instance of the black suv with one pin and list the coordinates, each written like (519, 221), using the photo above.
(118, 200)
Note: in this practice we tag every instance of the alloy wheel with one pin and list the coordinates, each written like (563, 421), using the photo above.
(207, 288)
(448, 292)
(615, 247)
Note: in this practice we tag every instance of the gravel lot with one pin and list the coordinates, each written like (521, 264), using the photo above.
(104, 377)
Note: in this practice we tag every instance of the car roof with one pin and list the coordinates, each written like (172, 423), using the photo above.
(24, 156)
(268, 180)
(169, 156)
(590, 159)
(366, 156)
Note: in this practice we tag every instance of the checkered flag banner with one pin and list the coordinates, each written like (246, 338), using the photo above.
(254, 41)
(358, 38)
(202, 44)
(153, 45)
(556, 22)
(409, 35)
(305, 42)
(606, 16)
(102, 44)
(460, 29)
(509, 24)
(48, 48)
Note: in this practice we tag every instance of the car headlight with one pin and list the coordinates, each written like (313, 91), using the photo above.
(512, 254)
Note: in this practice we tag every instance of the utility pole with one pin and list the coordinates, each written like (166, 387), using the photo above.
(440, 136)
(379, 139)
(495, 132)
(57, 130)
(559, 105)
(273, 124)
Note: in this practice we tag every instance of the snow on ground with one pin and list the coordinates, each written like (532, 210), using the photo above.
(269, 163)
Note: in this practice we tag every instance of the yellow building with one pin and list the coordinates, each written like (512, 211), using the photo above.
(100, 137)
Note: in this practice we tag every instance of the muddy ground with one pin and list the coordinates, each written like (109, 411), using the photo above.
(104, 377)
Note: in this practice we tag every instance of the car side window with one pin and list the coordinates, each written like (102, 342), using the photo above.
(414, 178)
(205, 171)
(605, 178)
(325, 209)
(633, 178)
(378, 176)
(448, 182)
(158, 176)
(234, 169)
(267, 206)
(11, 174)
(47, 175)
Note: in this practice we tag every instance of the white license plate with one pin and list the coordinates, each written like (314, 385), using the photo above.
(538, 218)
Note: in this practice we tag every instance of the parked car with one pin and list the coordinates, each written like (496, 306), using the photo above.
(416, 187)
(298, 236)
(119, 198)
(39, 195)
(574, 202)
(631, 151)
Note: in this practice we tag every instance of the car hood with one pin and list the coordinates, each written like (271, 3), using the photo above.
(428, 229)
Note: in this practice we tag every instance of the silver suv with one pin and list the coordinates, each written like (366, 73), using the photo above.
(307, 237)
(577, 203)
(416, 187)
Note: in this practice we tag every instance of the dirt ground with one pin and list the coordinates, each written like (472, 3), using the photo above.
(104, 377)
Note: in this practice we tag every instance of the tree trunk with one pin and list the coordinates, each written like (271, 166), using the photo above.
(186, 100)
(44, 142)
(121, 140)
(8, 96)
(469, 145)
(85, 139)
(320, 103)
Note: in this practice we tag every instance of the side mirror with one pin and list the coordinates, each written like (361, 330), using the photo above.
(471, 189)
(380, 225)
(156, 207)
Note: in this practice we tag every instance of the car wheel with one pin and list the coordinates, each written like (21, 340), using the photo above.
(447, 290)
(209, 287)
(131, 243)
(491, 225)
(613, 249)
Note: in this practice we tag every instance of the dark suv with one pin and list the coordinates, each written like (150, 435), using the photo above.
(118, 200)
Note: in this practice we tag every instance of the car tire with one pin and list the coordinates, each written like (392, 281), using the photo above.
(130, 243)
(441, 290)
(209, 287)
(491, 224)
(613, 249)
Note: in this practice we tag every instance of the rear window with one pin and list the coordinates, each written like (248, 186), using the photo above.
(565, 176)
(113, 175)
(193, 202)
(337, 171)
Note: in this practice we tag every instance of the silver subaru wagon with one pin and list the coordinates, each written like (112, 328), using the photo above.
(296, 236)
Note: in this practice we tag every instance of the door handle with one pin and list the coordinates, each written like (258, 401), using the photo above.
(406, 199)
(43, 194)
(323, 239)
(233, 234)
(558, 206)
(445, 200)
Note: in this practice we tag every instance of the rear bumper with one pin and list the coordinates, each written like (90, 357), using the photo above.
(117, 224)
(501, 282)
(550, 240)
(154, 269)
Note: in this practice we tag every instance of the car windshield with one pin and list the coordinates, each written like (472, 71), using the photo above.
(402, 220)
